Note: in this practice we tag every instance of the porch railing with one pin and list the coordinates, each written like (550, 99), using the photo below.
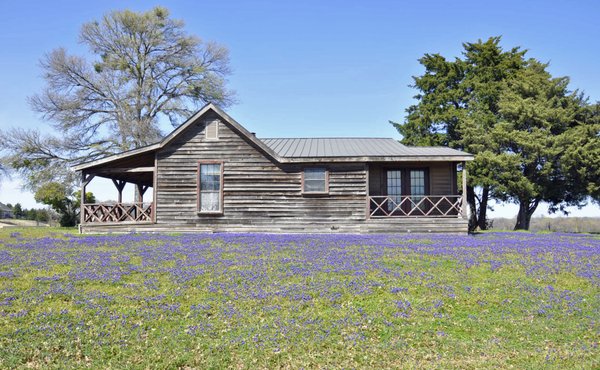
(415, 206)
(117, 212)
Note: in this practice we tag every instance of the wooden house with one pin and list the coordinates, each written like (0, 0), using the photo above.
(212, 175)
(5, 211)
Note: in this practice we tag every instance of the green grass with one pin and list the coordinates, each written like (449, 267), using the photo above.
(36, 232)
(254, 301)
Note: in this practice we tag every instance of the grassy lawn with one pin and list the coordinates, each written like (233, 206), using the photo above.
(298, 301)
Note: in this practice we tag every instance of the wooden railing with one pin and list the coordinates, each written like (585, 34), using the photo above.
(117, 212)
(415, 206)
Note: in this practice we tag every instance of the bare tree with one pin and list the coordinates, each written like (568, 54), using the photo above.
(146, 69)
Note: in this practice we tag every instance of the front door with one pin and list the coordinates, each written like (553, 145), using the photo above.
(407, 182)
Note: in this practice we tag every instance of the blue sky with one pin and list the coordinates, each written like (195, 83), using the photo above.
(312, 68)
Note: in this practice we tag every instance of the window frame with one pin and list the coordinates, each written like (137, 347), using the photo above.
(315, 193)
(199, 189)
(416, 198)
(406, 182)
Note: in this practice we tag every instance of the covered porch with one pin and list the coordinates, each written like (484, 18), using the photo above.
(416, 190)
(139, 171)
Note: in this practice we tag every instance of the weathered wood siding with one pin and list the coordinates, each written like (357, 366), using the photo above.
(441, 177)
(258, 194)
(376, 180)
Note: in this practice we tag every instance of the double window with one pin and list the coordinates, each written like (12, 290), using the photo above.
(407, 182)
(315, 180)
(210, 187)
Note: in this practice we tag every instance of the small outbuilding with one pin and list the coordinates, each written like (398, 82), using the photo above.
(5, 211)
(212, 175)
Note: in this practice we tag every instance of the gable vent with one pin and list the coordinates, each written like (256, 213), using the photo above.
(212, 130)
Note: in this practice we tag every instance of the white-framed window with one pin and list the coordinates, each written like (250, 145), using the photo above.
(210, 187)
(315, 180)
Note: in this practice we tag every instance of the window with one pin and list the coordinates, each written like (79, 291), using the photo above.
(211, 131)
(417, 186)
(315, 181)
(210, 187)
(394, 188)
(407, 187)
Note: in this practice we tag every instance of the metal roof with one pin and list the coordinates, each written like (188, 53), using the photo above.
(351, 147)
(5, 208)
(299, 150)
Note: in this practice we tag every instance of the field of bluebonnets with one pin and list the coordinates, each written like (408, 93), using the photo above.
(299, 301)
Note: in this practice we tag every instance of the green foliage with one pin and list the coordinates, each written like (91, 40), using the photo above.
(63, 201)
(18, 211)
(581, 158)
(530, 135)
(457, 105)
(33, 214)
(537, 115)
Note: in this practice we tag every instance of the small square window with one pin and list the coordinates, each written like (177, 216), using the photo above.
(315, 181)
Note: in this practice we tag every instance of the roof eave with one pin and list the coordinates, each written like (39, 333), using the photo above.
(170, 137)
(114, 157)
(404, 158)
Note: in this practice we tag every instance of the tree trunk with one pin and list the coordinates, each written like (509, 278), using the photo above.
(472, 207)
(526, 209)
(483, 204)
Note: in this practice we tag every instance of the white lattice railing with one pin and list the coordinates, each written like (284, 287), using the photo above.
(415, 206)
(117, 212)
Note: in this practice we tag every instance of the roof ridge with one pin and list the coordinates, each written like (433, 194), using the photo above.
(333, 137)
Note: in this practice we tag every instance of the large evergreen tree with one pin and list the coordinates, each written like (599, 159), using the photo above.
(515, 118)
(581, 160)
(537, 114)
(457, 105)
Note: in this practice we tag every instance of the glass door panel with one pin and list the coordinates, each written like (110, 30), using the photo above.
(394, 188)
(417, 188)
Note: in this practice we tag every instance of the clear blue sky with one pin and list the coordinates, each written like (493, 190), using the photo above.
(313, 68)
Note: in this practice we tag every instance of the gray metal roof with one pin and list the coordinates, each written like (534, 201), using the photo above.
(5, 208)
(351, 147)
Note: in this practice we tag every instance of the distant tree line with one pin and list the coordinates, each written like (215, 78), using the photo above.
(552, 224)
(534, 140)
(34, 214)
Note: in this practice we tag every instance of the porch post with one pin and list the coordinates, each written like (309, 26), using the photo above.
(154, 187)
(141, 189)
(368, 202)
(82, 199)
(119, 184)
(465, 207)
(85, 179)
